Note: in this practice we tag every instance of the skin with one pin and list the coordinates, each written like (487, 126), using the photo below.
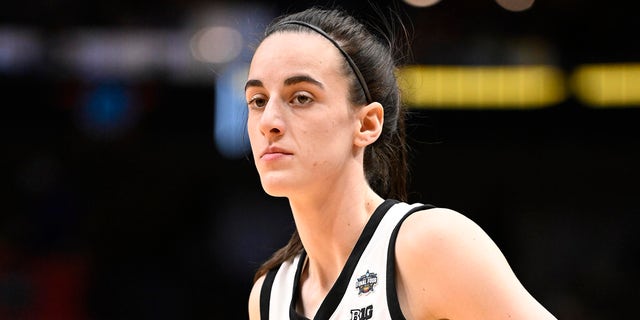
(308, 143)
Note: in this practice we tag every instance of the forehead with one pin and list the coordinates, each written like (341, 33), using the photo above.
(294, 52)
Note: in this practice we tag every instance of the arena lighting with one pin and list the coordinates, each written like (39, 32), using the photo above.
(607, 85)
(20, 49)
(515, 5)
(421, 3)
(482, 87)
(510, 5)
(131, 54)
(120, 53)
(230, 130)
(218, 44)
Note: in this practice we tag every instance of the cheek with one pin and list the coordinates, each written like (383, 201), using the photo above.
(327, 137)
(252, 132)
(251, 125)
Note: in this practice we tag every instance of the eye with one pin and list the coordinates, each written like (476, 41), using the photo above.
(257, 101)
(301, 98)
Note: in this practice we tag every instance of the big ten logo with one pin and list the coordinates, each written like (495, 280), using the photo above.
(362, 314)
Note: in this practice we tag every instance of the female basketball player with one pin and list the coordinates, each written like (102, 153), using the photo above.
(327, 132)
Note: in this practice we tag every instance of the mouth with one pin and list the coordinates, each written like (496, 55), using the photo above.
(272, 153)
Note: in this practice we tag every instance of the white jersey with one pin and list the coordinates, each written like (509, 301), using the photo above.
(365, 288)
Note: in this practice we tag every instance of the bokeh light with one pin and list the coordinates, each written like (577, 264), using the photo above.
(216, 44)
(231, 111)
(421, 3)
(515, 5)
(107, 111)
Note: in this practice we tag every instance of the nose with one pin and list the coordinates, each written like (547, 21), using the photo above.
(271, 122)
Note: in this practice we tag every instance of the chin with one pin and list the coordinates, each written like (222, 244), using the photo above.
(282, 183)
(274, 189)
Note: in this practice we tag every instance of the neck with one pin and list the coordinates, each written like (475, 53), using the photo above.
(329, 230)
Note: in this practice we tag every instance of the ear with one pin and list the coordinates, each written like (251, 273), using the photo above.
(371, 119)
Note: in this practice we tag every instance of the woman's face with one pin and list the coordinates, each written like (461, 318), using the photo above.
(300, 123)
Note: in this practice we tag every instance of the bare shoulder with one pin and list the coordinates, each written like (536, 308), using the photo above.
(254, 299)
(438, 218)
(449, 267)
(443, 237)
(438, 227)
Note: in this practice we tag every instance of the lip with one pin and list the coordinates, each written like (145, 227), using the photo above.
(273, 153)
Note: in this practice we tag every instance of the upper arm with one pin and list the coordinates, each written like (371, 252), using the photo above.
(254, 299)
(448, 267)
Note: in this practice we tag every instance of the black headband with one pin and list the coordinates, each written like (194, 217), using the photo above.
(352, 64)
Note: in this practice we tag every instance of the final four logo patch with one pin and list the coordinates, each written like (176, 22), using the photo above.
(366, 282)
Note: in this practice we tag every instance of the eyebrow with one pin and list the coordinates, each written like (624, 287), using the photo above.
(253, 83)
(287, 82)
(302, 78)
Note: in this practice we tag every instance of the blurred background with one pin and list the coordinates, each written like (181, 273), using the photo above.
(129, 191)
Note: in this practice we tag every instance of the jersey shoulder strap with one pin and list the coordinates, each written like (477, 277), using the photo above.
(265, 293)
(392, 293)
